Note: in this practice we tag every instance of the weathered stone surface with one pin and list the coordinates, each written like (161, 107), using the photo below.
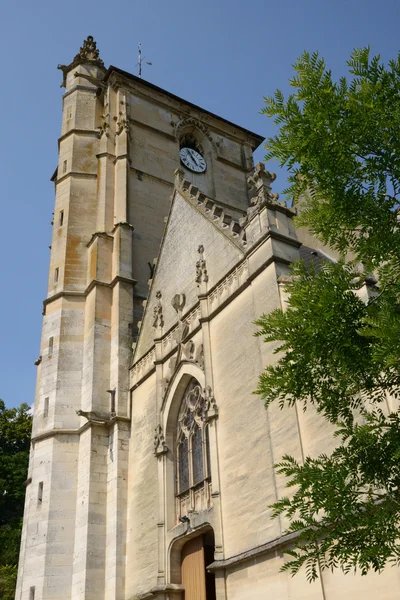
(107, 524)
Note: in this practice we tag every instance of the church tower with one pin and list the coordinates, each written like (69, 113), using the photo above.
(122, 139)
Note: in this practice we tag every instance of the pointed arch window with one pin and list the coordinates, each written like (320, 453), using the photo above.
(193, 463)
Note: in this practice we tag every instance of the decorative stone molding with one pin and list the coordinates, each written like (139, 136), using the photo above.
(188, 350)
(229, 285)
(199, 356)
(210, 408)
(178, 303)
(105, 124)
(123, 120)
(220, 293)
(158, 318)
(259, 190)
(169, 591)
(88, 54)
(199, 405)
(201, 267)
(191, 411)
(123, 125)
(143, 366)
(252, 554)
(215, 213)
(160, 447)
(259, 182)
(190, 123)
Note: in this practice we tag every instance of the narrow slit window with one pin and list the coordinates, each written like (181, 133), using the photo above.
(61, 218)
(32, 593)
(65, 166)
(46, 408)
(51, 345)
(56, 274)
(40, 493)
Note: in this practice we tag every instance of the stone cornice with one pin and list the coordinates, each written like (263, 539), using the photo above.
(83, 88)
(76, 174)
(165, 134)
(90, 132)
(105, 155)
(122, 157)
(123, 224)
(98, 234)
(154, 592)
(272, 546)
(140, 174)
(60, 431)
(230, 163)
(275, 235)
(92, 284)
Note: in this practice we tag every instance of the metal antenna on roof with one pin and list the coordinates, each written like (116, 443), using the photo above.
(140, 60)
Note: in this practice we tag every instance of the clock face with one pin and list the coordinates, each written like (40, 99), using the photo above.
(193, 160)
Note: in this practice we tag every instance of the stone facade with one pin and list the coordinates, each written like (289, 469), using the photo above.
(124, 335)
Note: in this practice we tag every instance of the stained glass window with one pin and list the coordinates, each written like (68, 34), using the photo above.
(207, 443)
(192, 439)
(183, 461)
(197, 455)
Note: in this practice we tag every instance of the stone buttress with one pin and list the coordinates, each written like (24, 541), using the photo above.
(76, 483)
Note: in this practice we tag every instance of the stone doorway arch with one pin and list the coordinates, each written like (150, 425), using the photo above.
(190, 557)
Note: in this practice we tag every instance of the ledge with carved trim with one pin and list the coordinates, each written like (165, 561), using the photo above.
(283, 540)
(170, 591)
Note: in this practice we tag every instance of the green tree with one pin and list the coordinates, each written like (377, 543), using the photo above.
(340, 143)
(15, 433)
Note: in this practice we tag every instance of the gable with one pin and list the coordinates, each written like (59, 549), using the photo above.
(189, 226)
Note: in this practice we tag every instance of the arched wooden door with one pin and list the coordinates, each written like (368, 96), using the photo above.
(193, 569)
(198, 584)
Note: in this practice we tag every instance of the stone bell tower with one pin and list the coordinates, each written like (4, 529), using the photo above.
(80, 417)
(119, 147)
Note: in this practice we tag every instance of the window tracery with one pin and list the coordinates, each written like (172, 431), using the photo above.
(193, 462)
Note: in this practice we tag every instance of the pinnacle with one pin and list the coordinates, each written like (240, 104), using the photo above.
(88, 54)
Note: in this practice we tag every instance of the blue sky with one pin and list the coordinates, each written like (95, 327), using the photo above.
(223, 55)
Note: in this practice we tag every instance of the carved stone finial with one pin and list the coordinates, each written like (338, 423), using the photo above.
(160, 447)
(201, 267)
(259, 187)
(88, 54)
(259, 184)
(158, 318)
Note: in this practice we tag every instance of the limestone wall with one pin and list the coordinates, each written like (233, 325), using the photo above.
(247, 441)
(143, 502)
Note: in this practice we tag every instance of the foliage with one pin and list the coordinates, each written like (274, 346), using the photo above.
(15, 432)
(8, 581)
(336, 351)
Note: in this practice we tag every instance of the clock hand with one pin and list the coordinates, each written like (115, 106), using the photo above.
(193, 157)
